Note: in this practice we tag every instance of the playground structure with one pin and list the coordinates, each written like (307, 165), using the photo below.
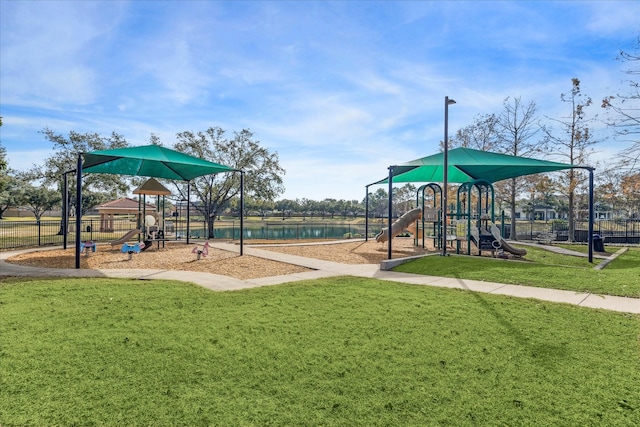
(400, 225)
(472, 229)
(88, 246)
(152, 225)
(126, 237)
(151, 161)
(133, 248)
(463, 165)
(201, 250)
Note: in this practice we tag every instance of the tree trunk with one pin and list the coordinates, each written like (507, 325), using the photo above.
(211, 219)
(572, 222)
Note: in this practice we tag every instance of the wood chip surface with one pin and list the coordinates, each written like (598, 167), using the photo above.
(178, 256)
(357, 252)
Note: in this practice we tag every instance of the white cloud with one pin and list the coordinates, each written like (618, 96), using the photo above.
(340, 89)
(47, 50)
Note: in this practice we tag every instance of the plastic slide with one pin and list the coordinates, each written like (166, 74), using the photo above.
(413, 230)
(400, 225)
(503, 243)
(126, 237)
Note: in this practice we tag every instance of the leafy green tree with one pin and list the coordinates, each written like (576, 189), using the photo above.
(378, 203)
(349, 207)
(631, 191)
(330, 206)
(252, 204)
(3, 159)
(545, 191)
(608, 192)
(404, 198)
(65, 158)
(3, 166)
(4, 176)
(574, 143)
(308, 207)
(90, 199)
(13, 193)
(286, 207)
(41, 199)
(263, 174)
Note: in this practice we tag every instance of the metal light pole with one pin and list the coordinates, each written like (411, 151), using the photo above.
(445, 173)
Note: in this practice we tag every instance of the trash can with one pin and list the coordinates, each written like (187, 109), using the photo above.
(598, 243)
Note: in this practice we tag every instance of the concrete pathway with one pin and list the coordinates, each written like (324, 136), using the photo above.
(321, 269)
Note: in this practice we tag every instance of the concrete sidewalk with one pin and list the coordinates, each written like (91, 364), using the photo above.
(323, 269)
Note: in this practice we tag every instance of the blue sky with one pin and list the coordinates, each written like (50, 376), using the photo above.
(341, 90)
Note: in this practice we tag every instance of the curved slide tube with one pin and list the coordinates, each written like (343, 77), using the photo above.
(503, 243)
(400, 225)
(126, 237)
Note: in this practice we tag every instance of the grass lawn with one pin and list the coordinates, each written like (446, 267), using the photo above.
(333, 352)
(542, 268)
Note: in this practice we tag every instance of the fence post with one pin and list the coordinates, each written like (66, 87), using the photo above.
(39, 224)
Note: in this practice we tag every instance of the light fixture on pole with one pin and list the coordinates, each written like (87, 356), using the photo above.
(445, 172)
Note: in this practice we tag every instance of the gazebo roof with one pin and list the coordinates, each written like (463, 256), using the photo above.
(152, 188)
(123, 205)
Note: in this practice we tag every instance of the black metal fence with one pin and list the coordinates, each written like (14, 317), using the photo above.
(22, 234)
(612, 231)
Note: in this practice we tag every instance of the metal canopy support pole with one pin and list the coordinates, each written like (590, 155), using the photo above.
(415, 238)
(445, 177)
(78, 208)
(445, 173)
(188, 209)
(366, 214)
(591, 214)
(241, 212)
(390, 237)
(65, 210)
(144, 216)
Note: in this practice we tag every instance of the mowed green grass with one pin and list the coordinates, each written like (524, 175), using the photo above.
(542, 269)
(334, 352)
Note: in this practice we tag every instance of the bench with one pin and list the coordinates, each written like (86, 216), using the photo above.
(546, 238)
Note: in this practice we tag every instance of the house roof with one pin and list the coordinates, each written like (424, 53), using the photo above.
(123, 205)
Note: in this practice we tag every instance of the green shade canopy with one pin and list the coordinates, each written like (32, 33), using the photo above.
(150, 160)
(466, 164)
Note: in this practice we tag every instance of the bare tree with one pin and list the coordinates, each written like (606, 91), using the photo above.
(625, 111)
(480, 135)
(574, 143)
(516, 129)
